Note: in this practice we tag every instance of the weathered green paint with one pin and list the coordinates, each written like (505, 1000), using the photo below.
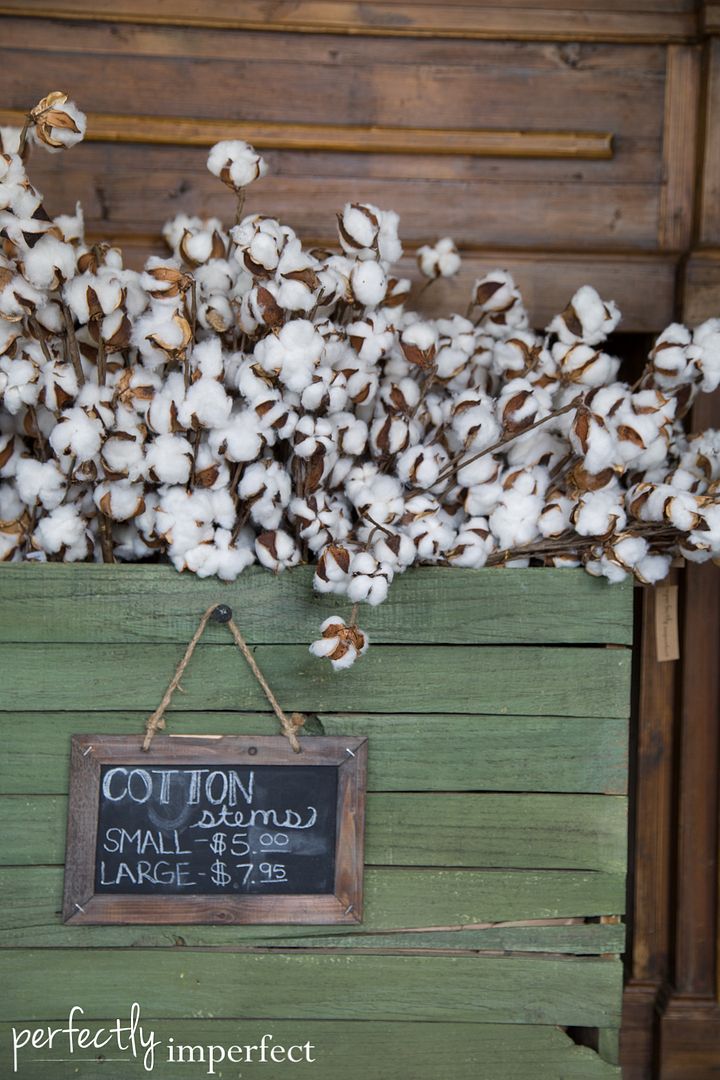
(382, 1051)
(58, 602)
(407, 753)
(567, 832)
(578, 991)
(522, 680)
(498, 752)
(395, 899)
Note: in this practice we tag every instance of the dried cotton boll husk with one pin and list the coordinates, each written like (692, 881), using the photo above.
(241, 439)
(236, 163)
(259, 242)
(267, 489)
(320, 520)
(500, 304)
(702, 456)
(420, 466)
(518, 353)
(474, 424)
(419, 344)
(375, 494)
(515, 520)
(57, 122)
(72, 226)
(339, 643)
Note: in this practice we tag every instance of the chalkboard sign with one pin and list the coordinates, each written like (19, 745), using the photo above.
(230, 829)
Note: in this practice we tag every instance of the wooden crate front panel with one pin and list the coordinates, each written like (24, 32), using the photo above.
(496, 706)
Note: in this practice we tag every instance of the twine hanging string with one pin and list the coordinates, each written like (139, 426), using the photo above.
(222, 614)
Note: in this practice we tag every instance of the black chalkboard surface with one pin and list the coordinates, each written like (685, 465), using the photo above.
(215, 829)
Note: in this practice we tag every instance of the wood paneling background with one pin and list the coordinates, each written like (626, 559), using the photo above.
(570, 141)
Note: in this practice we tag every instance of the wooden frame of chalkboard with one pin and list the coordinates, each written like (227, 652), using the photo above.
(90, 899)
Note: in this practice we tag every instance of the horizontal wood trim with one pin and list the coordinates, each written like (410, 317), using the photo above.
(154, 604)
(522, 680)
(522, 832)
(579, 22)
(396, 899)
(341, 138)
(387, 1051)
(407, 753)
(517, 990)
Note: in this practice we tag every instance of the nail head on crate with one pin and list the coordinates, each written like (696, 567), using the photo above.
(222, 614)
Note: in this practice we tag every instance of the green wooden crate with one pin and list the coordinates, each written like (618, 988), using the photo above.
(496, 705)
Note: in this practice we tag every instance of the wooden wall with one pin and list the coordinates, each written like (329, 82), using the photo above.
(496, 707)
(569, 141)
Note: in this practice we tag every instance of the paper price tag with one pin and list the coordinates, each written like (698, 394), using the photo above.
(666, 623)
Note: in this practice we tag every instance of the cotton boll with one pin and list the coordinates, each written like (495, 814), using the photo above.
(390, 434)
(420, 466)
(49, 262)
(119, 499)
(350, 434)
(599, 513)
(473, 544)
(259, 242)
(374, 493)
(241, 439)
(369, 579)
(266, 488)
(539, 447)
(291, 355)
(122, 456)
(370, 337)
(419, 344)
(554, 519)
(520, 403)
(57, 122)
(277, 550)
(62, 531)
(652, 568)
(332, 571)
(587, 318)
(207, 358)
(236, 163)
(220, 557)
(706, 347)
(440, 260)
(39, 483)
(517, 353)
(670, 357)
(168, 459)
(312, 435)
(19, 384)
(591, 439)
(515, 519)
(206, 405)
(500, 304)
(72, 226)
(583, 364)
(77, 434)
(474, 424)
(320, 520)
(368, 282)
(339, 643)
(430, 529)
(367, 232)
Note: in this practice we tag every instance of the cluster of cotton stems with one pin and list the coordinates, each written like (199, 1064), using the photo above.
(246, 400)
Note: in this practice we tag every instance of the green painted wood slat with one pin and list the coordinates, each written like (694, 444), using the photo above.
(568, 832)
(407, 753)
(521, 680)
(578, 991)
(395, 899)
(57, 602)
